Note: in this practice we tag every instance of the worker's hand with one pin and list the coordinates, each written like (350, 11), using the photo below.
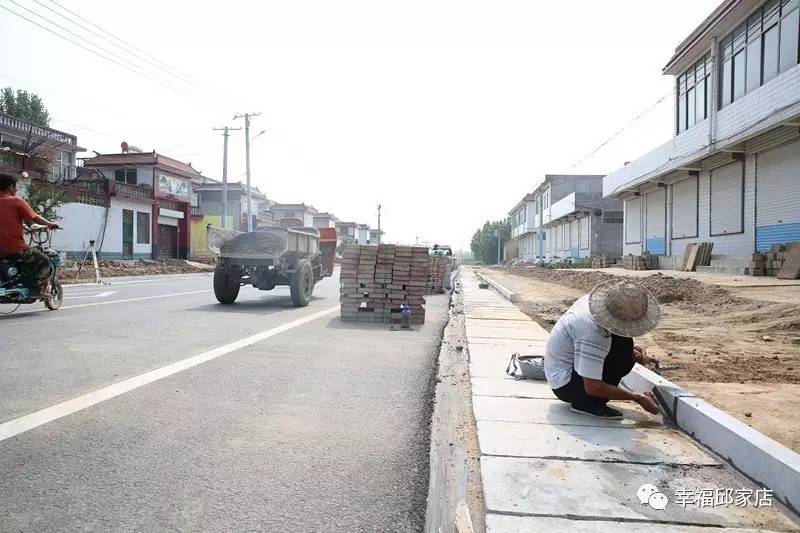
(53, 225)
(648, 402)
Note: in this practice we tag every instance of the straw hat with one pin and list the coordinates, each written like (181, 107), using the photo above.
(624, 308)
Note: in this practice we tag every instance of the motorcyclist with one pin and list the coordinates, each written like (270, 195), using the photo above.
(15, 212)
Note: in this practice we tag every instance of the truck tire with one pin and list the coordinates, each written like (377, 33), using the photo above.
(225, 288)
(302, 284)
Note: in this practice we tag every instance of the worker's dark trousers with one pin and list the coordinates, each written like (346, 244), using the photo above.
(619, 362)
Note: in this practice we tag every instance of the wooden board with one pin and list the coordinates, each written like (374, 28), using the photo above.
(691, 263)
(791, 265)
(686, 255)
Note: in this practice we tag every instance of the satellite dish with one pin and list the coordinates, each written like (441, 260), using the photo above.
(124, 147)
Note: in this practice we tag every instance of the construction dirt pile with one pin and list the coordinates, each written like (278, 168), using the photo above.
(110, 269)
(667, 289)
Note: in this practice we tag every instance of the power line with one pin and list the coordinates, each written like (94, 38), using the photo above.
(95, 52)
(128, 48)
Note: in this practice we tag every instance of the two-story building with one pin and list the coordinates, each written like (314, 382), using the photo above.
(731, 173)
(150, 197)
(294, 214)
(346, 231)
(45, 153)
(362, 234)
(325, 220)
(566, 218)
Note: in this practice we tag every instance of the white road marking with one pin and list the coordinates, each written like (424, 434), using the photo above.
(177, 277)
(44, 416)
(102, 294)
(139, 299)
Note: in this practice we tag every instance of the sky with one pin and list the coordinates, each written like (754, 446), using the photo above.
(444, 112)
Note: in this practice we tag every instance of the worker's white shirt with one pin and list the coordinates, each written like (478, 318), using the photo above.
(578, 342)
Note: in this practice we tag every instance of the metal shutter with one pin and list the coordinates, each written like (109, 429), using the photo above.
(778, 197)
(564, 237)
(655, 222)
(633, 221)
(574, 235)
(726, 193)
(684, 208)
(584, 223)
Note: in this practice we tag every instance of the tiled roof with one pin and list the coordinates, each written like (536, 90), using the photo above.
(146, 158)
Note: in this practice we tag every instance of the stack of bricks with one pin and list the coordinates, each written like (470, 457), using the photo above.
(766, 264)
(438, 272)
(645, 261)
(377, 280)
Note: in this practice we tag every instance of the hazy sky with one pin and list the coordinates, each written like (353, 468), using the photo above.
(445, 112)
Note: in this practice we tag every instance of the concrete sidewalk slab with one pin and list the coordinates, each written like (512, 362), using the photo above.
(654, 446)
(499, 324)
(496, 523)
(511, 388)
(483, 313)
(524, 332)
(592, 490)
(538, 411)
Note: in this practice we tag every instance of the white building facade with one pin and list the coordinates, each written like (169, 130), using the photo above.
(731, 173)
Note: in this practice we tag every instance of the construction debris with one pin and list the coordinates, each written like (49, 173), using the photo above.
(603, 261)
(376, 281)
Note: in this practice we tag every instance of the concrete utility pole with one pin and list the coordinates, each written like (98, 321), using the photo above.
(247, 164)
(225, 135)
(497, 232)
(379, 223)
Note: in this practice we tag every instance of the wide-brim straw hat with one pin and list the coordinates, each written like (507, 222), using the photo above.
(624, 308)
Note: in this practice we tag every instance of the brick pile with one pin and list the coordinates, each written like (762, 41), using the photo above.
(377, 280)
(766, 264)
(439, 270)
(645, 261)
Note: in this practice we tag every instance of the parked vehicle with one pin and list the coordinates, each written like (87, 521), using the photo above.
(12, 287)
(298, 257)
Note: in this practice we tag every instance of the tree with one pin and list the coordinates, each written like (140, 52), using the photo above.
(484, 241)
(24, 106)
(46, 200)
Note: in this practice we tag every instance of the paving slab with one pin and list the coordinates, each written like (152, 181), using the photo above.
(636, 445)
(511, 388)
(500, 324)
(495, 314)
(496, 523)
(594, 490)
(538, 411)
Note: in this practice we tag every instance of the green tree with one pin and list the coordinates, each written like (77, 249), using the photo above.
(25, 106)
(484, 240)
(46, 200)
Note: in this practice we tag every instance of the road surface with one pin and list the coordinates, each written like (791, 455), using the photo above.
(148, 406)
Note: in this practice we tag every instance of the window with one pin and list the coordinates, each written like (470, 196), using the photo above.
(759, 49)
(142, 228)
(126, 175)
(612, 217)
(62, 165)
(288, 214)
(692, 84)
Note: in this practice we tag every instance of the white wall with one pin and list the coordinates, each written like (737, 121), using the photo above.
(81, 223)
(113, 240)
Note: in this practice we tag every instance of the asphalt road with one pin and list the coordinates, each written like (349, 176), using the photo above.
(147, 406)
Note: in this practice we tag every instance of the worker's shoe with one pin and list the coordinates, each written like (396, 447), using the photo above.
(599, 411)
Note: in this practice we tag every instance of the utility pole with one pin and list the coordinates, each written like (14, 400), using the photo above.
(497, 232)
(247, 164)
(225, 135)
(379, 223)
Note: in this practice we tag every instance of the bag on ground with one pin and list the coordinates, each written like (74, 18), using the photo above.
(526, 367)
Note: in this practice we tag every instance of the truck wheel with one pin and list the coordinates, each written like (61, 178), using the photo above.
(226, 289)
(302, 284)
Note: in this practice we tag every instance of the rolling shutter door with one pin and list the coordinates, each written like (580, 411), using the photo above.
(655, 222)
(633, 221)
(726, 199)
(778, 197)
(573, 238)
(584, 223)
(684, 208)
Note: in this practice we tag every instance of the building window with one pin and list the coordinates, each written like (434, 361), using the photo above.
(759, 49)
(612, 217)
(126, 175)
(142, 228)
(692, 90)
(62, 165)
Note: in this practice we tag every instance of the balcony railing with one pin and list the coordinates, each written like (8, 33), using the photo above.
(130, 191)
(7, 121)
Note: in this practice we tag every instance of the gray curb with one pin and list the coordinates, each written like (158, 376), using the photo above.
(760, 458)
(507, 294)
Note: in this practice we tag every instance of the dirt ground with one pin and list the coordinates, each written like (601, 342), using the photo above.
(131, 268)
(738, 348)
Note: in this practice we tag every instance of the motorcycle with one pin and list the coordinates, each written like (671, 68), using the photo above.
(12, 286)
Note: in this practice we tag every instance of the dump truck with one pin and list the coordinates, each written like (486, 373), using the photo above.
(271, 256)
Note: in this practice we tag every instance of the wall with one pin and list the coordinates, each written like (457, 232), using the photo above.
(81, 223)
(211, 204)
